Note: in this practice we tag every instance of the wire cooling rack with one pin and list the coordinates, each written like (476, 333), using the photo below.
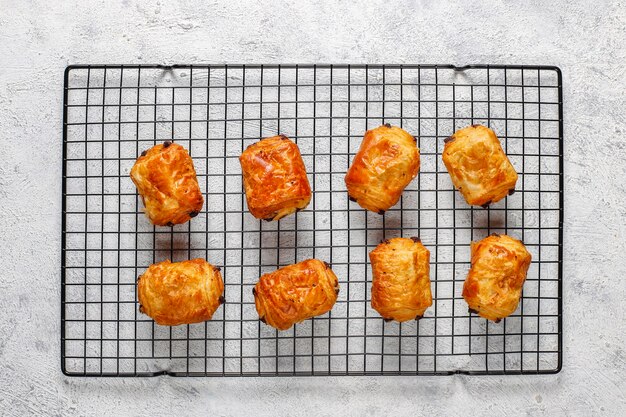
(113, 113)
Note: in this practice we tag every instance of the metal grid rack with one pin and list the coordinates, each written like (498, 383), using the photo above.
(112, 113)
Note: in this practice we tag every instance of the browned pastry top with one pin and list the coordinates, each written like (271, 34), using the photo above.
(478, 166)
(385, 164)
(274, 178)
(296, 292)
(494, 283)
(401, 284)
(166, 180)
(181, 292)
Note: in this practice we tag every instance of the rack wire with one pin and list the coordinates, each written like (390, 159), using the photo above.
(114, 112)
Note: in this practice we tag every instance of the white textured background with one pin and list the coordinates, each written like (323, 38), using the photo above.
(586, 39)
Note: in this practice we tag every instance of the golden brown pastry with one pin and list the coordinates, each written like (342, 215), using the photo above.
(166, 180)
(295, 293)
(274, 178)
(401, 285)
(180, 292)
(494, 283)
(478, 166)
(387, 161)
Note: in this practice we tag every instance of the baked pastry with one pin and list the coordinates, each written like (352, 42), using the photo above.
(274, 178)
(401, 284)
(385, 164)
(166, 180)
(494, 283)
(180, 292)
(295, 293)
(478, 166)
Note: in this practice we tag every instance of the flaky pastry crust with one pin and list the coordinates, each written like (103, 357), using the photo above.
(295, 293)
(401, 284)
(494, 283)
(180, 292)
(385, 164)
(478, 166)
(274, 178)
(166, 181)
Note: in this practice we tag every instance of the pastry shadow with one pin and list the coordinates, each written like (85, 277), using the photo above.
(173, 245)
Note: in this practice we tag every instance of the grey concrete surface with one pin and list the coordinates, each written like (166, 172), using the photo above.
(586, 39)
